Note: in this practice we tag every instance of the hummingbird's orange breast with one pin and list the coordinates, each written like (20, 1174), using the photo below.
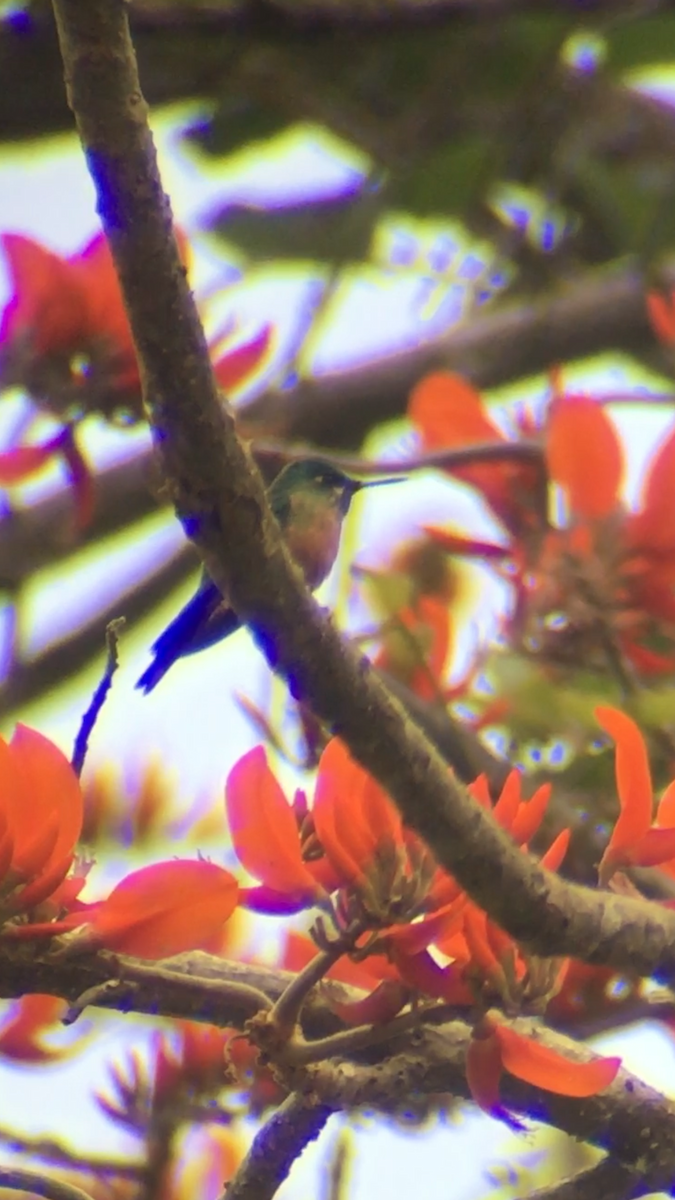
(313, 537)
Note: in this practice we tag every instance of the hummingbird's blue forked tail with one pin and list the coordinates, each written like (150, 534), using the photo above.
(204, 620)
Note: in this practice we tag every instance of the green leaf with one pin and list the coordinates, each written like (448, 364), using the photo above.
(337, 229)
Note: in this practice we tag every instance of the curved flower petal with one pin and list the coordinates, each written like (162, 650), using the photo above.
(236, 364)
(379, 1006)
(47, 306)
(546, 1068)
(263, 828)
(339, 818)
(553, 857)
(530, 815)
(46, 776)
(653, 526)
(633, 777)
(583, 453)
(165, 909)
(484, 1071)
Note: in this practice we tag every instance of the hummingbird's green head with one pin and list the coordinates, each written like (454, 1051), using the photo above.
(318, 476)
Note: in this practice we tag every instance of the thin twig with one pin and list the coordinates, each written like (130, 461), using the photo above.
(19, 1179)
(112, 634)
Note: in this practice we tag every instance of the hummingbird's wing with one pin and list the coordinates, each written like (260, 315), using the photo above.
(205, 620)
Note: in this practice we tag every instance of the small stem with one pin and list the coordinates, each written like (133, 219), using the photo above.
(112, 633)
(18, 1179)
(286, 1011)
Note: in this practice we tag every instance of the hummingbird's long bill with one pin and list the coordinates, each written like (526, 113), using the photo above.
(382, 482)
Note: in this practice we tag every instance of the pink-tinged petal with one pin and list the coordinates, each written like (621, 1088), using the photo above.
(263, 899)
(165, 909)
(22, 462)
(633, 777)
(234, 366)
(263, 828)
(583, 454)
(543, 1067)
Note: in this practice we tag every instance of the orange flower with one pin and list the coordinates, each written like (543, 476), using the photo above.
(634, 840)
(584, 455)
(495, 1048)
(449, 413)
(266, 839)
(235, 364)
(22, 1032)
(40, 820)
(161, 910)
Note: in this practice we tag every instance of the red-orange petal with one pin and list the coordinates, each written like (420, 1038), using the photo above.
(338, 813)
(554, 856)
(423, 973)
(47, 305)
(543, 1067)
(449, 411)
(665, 813)
(412, 938)
(653, 526)
(235, 365)
(633, 777)
(530, 815)
(20, 1036)
(379, 1006)
(584, 456)
(22, 462)
(484, 1071)
(507, 805)
(263, 828)
(661, 313)
(48, 784)
(656, 847)
(165, 909)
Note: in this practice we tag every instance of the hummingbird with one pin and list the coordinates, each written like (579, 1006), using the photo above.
(310, 499)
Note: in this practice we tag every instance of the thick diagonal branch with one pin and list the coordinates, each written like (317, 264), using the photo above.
(219, 496)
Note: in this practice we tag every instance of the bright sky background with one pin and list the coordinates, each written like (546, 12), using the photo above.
(191, 720)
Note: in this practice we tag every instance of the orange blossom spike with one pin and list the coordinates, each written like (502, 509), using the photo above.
(583, 454)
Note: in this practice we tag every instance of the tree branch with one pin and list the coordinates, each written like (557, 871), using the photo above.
(607, 1180)
(220, 498)
(275, 1148)
(19, 1179)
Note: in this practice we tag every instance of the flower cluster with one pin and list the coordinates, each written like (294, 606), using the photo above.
(598, 586)
(65, 339)
(392, 921)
